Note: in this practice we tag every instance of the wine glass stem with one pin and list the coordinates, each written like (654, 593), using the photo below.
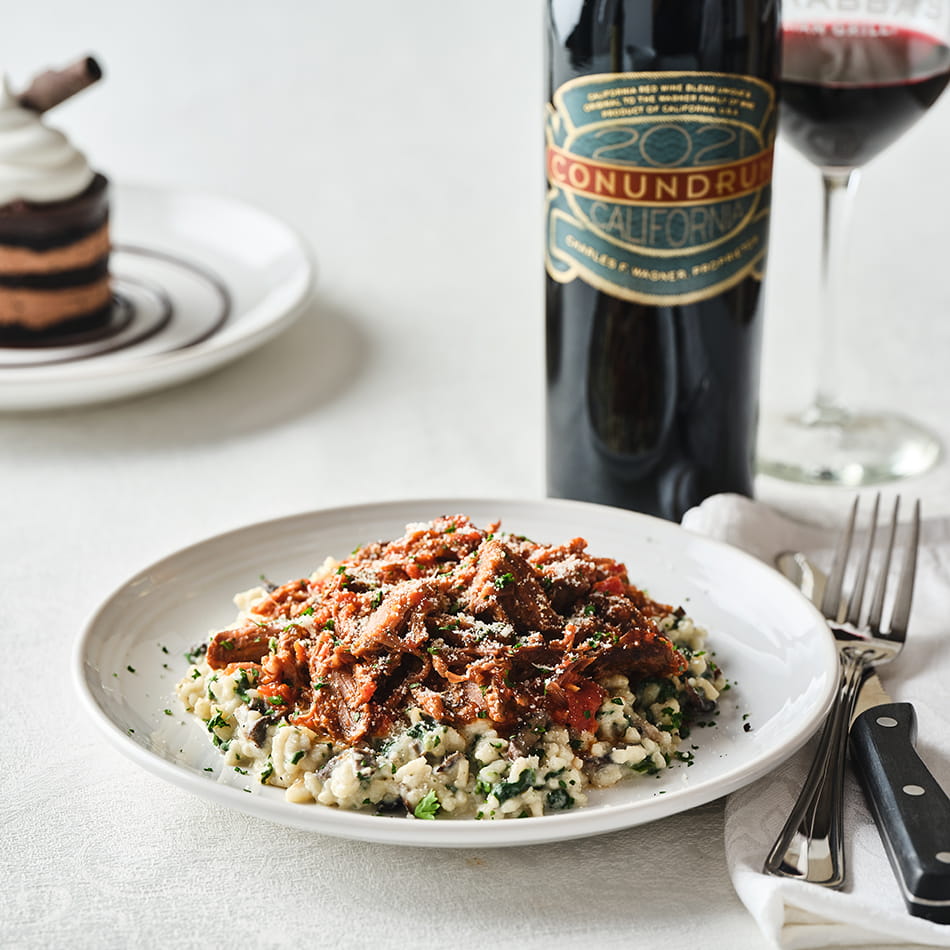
(839, 187)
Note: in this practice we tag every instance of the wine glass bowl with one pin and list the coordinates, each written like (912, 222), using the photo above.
(852, 83)
(848, 94)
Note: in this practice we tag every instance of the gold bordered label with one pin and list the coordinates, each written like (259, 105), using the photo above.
(659, 183)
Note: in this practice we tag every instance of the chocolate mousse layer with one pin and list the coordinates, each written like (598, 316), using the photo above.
(54, 260)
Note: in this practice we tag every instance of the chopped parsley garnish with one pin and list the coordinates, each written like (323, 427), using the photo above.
(503, 580)
(428, 806)
(217, 721)
(243, 682)
(667, 689)
(195, 653)
(419, 729)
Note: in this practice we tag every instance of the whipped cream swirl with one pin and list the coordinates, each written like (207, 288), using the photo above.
(37, 163)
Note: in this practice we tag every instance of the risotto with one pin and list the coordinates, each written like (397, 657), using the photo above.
(453, 672)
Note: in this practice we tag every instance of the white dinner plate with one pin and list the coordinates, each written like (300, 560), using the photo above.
(198, 280)
(771, 642)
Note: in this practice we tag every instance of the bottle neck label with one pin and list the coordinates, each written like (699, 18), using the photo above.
(659, 183)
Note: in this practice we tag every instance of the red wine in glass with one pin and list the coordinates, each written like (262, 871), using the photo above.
(852, 84)
(851, 89)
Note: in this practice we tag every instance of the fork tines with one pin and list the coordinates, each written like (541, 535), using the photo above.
(850, 613)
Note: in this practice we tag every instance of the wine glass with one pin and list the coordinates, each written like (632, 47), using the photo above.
(852, 82)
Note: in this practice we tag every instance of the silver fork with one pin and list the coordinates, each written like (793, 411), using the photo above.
(810, 845)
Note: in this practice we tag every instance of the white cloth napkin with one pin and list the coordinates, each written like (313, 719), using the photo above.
(869, 911)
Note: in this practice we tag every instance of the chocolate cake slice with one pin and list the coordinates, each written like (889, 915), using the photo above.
(54, 218)
(54, 263)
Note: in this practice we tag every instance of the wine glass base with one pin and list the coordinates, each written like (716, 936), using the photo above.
(831, 446)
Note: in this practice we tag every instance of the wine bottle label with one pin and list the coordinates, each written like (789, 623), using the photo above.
(659, 183)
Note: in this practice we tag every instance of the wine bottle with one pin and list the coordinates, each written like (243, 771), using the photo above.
(659, 136)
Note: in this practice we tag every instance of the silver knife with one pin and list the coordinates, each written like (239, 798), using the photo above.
(911, 810)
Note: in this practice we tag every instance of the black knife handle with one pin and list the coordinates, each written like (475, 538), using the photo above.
(911, 810)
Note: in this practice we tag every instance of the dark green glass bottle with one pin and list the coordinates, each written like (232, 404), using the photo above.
(660, 128)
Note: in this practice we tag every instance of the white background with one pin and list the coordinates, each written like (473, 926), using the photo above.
(403, 141)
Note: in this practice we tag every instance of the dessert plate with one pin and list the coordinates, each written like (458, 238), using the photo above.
(199, 280)
(771, 642)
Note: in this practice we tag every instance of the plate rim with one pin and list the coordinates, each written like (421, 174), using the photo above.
(459, 833)
(21, 388)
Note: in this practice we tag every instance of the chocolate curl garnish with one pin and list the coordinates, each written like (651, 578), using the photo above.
(54, 86)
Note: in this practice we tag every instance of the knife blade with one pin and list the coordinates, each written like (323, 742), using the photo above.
(910, 809)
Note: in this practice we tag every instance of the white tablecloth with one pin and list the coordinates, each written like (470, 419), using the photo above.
(404, 141)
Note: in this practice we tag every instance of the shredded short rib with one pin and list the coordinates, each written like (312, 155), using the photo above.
(462, 623)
